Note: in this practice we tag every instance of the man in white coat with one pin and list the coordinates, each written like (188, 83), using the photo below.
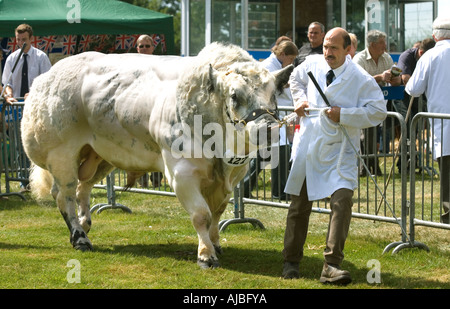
(431, 77)
(324, 162)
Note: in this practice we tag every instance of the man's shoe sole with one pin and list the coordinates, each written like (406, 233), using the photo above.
(340, 280)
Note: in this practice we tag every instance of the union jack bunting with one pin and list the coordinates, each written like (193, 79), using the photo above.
(69, 45)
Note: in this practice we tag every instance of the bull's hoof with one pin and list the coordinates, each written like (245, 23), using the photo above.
(211, 263)
(218, 249)
(84, 247)
(80, 241)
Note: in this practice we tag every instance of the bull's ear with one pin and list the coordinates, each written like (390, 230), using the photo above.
(282, 77)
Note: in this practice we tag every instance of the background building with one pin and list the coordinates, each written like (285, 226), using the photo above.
(256, 24)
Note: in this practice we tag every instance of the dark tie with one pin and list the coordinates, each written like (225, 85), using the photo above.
(24, 86)
(330, 76)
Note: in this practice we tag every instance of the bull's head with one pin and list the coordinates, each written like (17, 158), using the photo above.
(249, 95)
(226, 91)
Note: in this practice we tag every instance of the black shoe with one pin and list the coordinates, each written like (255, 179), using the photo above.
(334, 275)
(290, 270)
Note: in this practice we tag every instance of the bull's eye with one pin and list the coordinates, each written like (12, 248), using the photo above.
(234, 97)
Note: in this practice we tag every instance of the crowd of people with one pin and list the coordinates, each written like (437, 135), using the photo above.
(322, 163)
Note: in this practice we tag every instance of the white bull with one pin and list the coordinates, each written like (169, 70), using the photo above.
(92, 113)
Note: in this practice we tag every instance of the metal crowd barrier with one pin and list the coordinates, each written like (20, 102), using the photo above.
(427, 198)
(381, 197)
(14, 163)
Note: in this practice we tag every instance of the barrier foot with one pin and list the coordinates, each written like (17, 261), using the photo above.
(255, 222)
(392, 245)
(399, 245)
(415, 244)
(104, 206)
(14, 193)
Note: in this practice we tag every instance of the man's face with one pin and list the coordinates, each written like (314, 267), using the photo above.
(23, 38)
(315, 35)
(334, 51)
(378, 48)
(145, 47)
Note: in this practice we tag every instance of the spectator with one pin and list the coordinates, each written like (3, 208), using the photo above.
(282, 55)
(324, 163)
(36, 63)
(378, 63)
(407, 63)
(145, 45)
(33, 63)
(285, 53)
(354, 45)
(316, 32)
(431, 77)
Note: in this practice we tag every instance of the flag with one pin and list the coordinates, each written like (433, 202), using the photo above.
(69, 44)
(85, 42)
(122, 41)
(47, 43)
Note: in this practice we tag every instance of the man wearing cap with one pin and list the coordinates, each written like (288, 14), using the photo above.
(33, 63)
(431, 77)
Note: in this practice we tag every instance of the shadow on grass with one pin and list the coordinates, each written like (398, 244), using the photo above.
(269, 263)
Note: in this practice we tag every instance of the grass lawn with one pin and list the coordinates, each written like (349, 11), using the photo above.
(155, 247)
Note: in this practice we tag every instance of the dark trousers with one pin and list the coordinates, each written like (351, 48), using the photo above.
(297, 222)
(444, 168)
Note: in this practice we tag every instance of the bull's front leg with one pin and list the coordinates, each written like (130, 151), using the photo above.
(186, 182)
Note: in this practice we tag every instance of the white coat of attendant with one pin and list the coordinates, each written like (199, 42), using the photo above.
(272, 64)
(431, 76)
(322, 154)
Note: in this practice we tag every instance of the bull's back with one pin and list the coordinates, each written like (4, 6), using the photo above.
(95, 98)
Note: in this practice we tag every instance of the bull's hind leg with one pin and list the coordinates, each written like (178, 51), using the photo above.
(63, 167)
(84, 194)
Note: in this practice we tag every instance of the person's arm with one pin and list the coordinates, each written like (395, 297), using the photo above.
(298, 82)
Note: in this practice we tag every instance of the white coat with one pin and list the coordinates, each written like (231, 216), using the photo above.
(321, 152)
(283, 99)
(431, 77)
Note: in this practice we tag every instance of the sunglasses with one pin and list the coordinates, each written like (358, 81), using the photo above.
(146, 46)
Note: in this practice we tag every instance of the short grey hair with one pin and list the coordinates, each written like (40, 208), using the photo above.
(441, 28)
(374, 35)
(316, 23)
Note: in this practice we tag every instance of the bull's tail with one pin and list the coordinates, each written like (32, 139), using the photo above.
(41, 182)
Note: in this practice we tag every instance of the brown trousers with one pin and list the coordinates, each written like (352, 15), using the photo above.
(297, 226)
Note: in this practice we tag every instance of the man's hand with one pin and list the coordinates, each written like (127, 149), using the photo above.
(301, 109)
(334, 113)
